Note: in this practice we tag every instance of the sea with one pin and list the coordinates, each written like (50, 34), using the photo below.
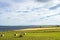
(8, 28)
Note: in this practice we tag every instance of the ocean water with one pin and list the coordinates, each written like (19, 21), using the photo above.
(8, 28)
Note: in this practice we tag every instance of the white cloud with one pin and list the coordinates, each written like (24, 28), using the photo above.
(29, 13)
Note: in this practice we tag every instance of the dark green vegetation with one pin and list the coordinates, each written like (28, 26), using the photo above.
(52, 34)
(48, 26)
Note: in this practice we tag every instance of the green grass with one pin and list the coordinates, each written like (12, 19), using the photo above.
(53, 34)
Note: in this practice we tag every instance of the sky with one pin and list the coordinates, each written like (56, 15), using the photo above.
(29, 12)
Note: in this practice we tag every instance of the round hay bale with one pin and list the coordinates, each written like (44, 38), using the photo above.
(15, 34)
(24, 34)
(2, 35)
(20, 35)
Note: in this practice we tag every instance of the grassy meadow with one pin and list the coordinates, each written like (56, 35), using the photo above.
(45, 34)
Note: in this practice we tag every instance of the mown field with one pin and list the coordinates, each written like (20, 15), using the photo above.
(52, 34)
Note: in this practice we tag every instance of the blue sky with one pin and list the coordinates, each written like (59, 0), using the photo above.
(29, 12)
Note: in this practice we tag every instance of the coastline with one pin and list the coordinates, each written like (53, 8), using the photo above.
(37, 29)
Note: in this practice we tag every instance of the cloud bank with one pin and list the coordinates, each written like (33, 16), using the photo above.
(29, 12)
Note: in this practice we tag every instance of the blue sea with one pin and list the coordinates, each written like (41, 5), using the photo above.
(7, 28)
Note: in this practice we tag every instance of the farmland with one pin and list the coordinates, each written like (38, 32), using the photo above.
(45, 34)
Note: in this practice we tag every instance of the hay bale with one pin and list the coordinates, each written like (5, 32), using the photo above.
(15, 34)
(2, 35)
(20, 35)
(24, 34)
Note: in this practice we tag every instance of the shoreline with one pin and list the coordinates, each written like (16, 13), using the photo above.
(37, 29)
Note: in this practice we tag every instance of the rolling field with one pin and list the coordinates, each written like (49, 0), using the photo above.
(45, 34)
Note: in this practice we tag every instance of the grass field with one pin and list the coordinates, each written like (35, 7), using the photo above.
(45, 34)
